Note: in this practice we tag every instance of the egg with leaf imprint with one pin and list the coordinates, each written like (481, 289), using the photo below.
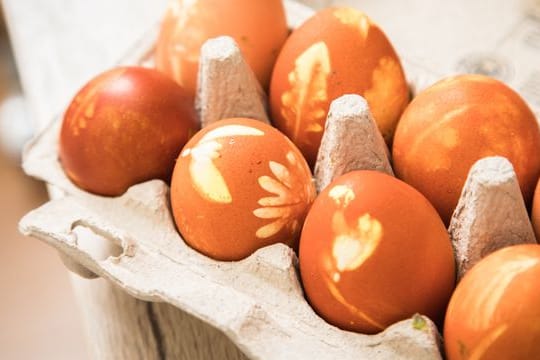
(374, 251)
(494, 312)
(336, 52)
(239, 185)
(456, 122)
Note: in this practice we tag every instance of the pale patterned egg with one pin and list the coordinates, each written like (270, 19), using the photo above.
(239, 185)
(259, 28)
(494, 312)
(374, 251)
(456, 122)
(338, 51)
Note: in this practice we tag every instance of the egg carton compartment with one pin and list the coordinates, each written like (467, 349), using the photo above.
(258, 302)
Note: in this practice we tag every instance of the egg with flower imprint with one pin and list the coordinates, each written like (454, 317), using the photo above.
(374, 251)
(239, 185)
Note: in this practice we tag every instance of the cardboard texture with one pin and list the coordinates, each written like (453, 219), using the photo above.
(490, 215)
(227, 83)
(348, 120)
(257, 302)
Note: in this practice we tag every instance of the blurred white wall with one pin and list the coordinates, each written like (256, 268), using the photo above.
(38, 315)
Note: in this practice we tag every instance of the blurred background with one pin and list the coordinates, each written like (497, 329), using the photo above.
(38, 315)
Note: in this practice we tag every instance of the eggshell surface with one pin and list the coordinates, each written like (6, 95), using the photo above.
(454, 123)
(374, 251)
(127, 125)
(338, 51)
(535, 214)
(494, 312)
(259, 28)
(239, 185)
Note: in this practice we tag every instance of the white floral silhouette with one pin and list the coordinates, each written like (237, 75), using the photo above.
(289, 196)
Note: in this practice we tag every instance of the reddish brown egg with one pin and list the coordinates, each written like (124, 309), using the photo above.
(338, 51)
(374, 251)
(456, 122)
(239, 185)
(259, 28)
(535, 216)
(494, 312)
(125, 126)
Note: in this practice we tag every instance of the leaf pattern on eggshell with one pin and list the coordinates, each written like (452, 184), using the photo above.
(206, 177)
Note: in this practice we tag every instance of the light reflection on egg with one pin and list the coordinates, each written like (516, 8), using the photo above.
(456, 122)
(125, 126)
(259, 28)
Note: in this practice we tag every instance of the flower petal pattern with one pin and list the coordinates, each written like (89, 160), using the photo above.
(282, 173)
(270, 229)
(284, 206)
(273, 186)
(270, 212)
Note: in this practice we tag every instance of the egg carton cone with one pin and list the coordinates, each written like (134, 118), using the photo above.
(258, 302)
(227, 87)
(348, 120)
(490, 214)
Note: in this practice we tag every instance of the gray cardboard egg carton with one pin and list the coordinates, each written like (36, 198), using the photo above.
(258, 302)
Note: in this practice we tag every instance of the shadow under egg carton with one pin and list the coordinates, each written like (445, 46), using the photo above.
(258, 302)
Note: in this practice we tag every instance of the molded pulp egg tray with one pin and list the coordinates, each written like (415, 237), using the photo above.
(257, 302)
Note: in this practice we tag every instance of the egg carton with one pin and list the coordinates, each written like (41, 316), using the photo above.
(258, 302)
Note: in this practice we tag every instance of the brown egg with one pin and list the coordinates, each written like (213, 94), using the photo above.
(338, 51)
(259, 28)
(374, 251)
(125, 126)
(454, 123)
(535, 216)
(494, 312)
(240, 185)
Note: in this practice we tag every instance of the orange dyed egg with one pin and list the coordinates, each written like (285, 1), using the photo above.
(374, 251)
(494, 312)
(239, 185)
(454, 123)
(259, 28)
(125, 126)
(536, 212)
(338, 51)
